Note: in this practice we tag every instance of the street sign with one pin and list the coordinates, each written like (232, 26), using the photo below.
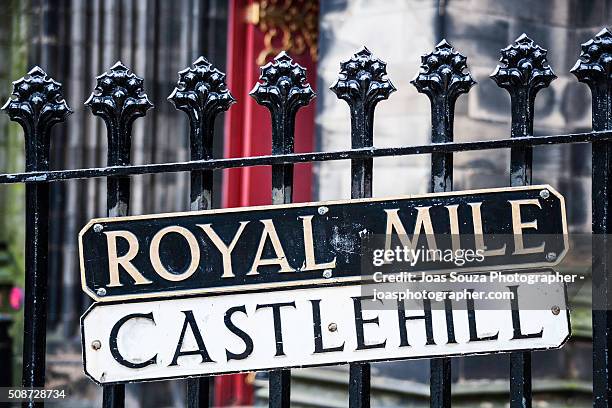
(311, 326)
(326, 242)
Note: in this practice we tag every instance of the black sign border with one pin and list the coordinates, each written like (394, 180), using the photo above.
(320, 281)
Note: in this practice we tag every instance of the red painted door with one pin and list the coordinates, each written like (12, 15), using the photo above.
(257, 31)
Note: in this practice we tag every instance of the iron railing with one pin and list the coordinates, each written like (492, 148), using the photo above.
(37, 104)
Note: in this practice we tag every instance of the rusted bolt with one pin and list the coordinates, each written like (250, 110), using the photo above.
(555, 310)
(98, 228)
(551, 256)
(332, 327)
(96, 344)
(545, 194)
(323, 210)
(101, 292)
(327, 273)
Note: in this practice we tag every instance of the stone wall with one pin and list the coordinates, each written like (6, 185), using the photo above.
(399, 32)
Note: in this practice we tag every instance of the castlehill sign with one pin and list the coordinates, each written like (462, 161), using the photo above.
(315, 243)
(180, 337)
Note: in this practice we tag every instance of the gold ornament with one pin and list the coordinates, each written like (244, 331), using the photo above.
(288, 25)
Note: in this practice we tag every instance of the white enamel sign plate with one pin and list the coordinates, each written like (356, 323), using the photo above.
(138, 341)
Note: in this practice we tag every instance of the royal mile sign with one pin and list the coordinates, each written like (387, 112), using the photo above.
(318, 243)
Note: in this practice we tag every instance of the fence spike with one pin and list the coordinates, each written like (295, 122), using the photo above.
(362, 83)
(442, 77)
(594, 67)
(283, 90)
(523, 71)
(201, 92)
(523, 67)
(37, 104)
(442, 74)
(595, 63)
(119, 99)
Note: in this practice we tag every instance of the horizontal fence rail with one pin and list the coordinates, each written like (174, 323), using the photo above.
(295, 158)
(119, 99)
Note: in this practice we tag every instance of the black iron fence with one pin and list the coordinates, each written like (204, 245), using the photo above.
(119, 99)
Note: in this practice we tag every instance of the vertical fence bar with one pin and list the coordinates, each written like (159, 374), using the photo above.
(524, 71)
(362, 83)
(594, 68)
(202, 94)
(118, 99)
(283, 90)
(442, 78)
(37, 104)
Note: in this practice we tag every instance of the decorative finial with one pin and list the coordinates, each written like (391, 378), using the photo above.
(119, 99)
(443, 73)
(595, 62)
(37, 104)
(202, 94)
(363, 79)
(443, 78)
(201, 91)
(283, 90)
(523, 65)
(283, 86)
(119, 96)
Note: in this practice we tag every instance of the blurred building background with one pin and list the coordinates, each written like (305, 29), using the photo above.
(75, 40)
